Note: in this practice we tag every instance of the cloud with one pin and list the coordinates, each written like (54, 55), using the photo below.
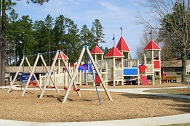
(110, 6)
(112, 15)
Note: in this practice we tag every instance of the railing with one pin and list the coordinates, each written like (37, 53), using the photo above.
(101, 64)
(149, 68)
(130, 62)
(118, 73)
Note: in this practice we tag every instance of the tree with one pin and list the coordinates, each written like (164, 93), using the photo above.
(72, 41)
(37, 1)
(175, 32)
(148, 34)
(86, 36)
(12, 37)
(5, 5)
(49, 25)
(97, 30)
(173, 17)
(59, 31)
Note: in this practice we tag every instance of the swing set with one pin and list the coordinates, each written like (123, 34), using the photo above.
(85, 49)
(72, 76)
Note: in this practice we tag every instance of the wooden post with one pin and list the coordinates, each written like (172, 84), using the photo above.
(99, 74)
(159, 56)
(69, 73)
(95, 57)
(122, 83)
(114, 71)
(138, 73)
(32, 72)
(30, 75)
(49, 75)
(14, 79)
(73, 77)
(75, 71)
(152, 62)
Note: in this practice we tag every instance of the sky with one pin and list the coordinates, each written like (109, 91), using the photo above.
(113, 14)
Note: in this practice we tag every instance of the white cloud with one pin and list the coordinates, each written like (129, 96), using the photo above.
(110, 6)
(112, 14)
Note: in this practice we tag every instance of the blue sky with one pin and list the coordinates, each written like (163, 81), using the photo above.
(112, 14)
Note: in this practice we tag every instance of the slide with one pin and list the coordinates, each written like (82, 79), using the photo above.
(144, 80)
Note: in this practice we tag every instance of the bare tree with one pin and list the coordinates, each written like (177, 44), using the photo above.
(173, 17)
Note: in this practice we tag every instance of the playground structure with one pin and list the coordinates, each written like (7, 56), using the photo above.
(114, 68)
(153, 63)
(118, 69)
(62, 75)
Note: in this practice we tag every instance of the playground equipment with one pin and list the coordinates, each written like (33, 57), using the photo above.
(96, 51)
(115, 72)
(59, 76)
(30, 69)
(131, 70)
(58, 54)
(114, 68)
(72, 76)
(119, 68)
(101, 64)
(153, 62)
(96, 70)
(39, 56)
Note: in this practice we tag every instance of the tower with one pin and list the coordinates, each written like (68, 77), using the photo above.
(152, 59)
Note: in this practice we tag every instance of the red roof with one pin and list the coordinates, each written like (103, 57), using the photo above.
(152, 46)
(59, 56)
(96, 50)
(114, 53)
(122, 45)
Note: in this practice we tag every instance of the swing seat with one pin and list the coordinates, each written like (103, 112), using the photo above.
(52, 86)
(34, 83)
(65, 88)
(74, 89)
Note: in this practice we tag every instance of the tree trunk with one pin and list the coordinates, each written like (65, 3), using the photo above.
(184, 57)
(3, 46)
(0, 44)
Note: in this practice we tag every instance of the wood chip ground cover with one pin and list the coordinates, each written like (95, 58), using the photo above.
(86, 108)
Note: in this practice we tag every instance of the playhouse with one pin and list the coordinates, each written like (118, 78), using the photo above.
(122, 68)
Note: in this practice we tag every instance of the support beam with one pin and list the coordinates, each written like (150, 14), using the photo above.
(76, 70)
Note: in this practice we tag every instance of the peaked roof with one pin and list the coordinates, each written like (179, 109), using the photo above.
(59, 56)
(114, 53)
(152, 46)
(122, 45)
(96, 50)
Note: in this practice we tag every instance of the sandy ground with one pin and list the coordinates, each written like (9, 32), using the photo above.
(87, 108)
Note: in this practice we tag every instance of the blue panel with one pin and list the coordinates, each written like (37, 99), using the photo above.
(25, 76)
(81, 68)
(130, 71)
(88, 66)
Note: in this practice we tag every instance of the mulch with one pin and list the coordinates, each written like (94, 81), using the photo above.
(87, 107)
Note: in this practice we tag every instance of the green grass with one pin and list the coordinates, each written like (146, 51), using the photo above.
(178, 91)
(186, 124)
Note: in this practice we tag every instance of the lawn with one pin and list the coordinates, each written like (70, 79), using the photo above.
(178, 91)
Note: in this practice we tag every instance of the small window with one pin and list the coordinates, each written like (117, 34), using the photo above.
(178, 69)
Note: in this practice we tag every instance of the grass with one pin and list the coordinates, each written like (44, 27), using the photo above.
(186, 124)
(178, 91)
